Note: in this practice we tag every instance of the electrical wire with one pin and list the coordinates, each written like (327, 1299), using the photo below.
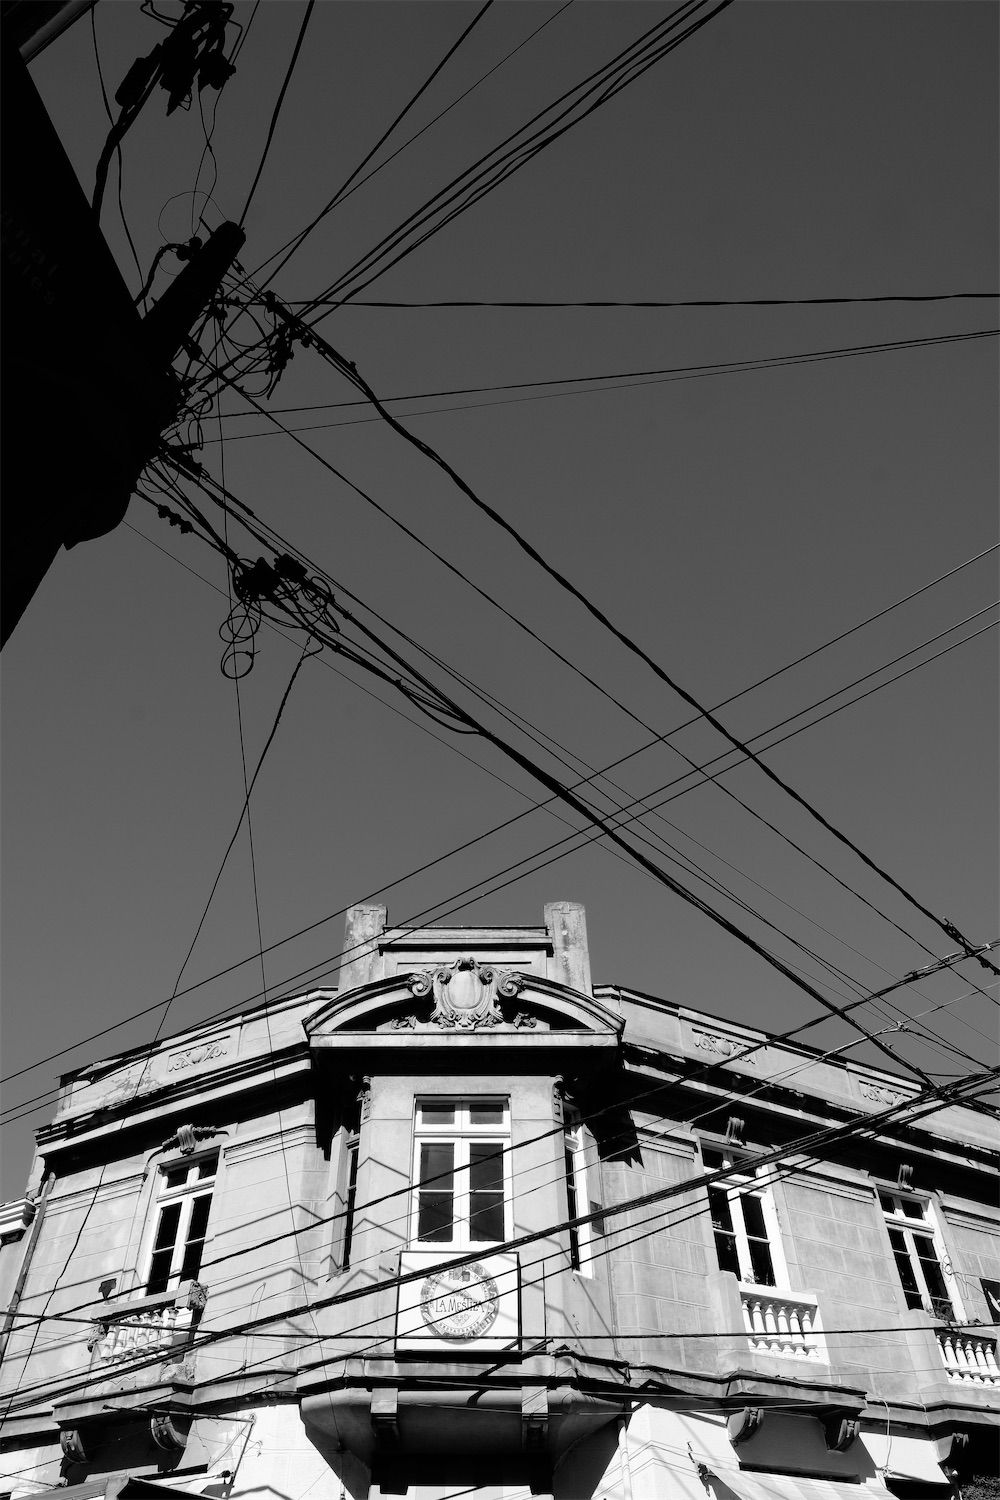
(292, 245)
(690, 302)
(277, 107)
(499, 827)
(937, 1097)
(118, 145)
(323, 347)
(584, 385)
(494, 602)
(494, 166)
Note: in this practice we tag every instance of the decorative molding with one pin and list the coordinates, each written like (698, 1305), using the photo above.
(904, 1177)
(744, 1423)
(167, 1433)
(465, 993)
(201, 1052)
(841, 1432)
(365, 1100)
(186, 1137)
(524, 1021)
(71, 1444)
(734, 1131)
(724, 1046)
(404, 1023)
(877, 1093)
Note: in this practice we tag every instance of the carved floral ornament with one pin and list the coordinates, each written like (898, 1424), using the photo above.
(466, 994)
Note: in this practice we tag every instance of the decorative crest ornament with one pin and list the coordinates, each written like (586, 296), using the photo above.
(465, 993)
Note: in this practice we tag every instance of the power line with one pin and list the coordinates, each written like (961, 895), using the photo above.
(495, 603)
(521, 146)
(294, 244)
(331, 636)
(559, 845)
(347, 368)
(689, 302)
(938, 1096)
(277, 107)
(582, 385)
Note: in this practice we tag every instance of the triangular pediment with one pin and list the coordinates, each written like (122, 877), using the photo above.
(462, 999)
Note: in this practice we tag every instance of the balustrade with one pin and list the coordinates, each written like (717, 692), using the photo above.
(127, 1330)
(782, 1323)
(969, 1357)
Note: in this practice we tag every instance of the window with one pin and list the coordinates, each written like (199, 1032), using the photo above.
(460, 1172)
(185, 1199)
(912, 1237)
(350, 1200)
(577, 1201)
(740, 1213)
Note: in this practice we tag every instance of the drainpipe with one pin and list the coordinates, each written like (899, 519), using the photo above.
(22, 1275)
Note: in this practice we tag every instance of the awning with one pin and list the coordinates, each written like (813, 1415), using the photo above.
(739, 1485)
(906, 1457)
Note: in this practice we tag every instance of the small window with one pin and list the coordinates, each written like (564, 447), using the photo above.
(919, 1266)
(184, 1203)
(459, 1171)
(739, 1208)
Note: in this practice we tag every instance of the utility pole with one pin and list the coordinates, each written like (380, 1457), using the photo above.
(87, 383)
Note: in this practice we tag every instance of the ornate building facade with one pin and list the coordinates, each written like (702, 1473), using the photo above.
(472, 1226)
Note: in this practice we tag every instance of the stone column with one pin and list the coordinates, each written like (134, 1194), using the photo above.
(570, 963)
(362, 963)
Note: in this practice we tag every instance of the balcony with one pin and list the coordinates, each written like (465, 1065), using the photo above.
(134, 1328)
(968, 1357)
(782, 1323)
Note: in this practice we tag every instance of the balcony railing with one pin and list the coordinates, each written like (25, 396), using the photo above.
(125, 1330)
(784, 1323)
(968, 1357)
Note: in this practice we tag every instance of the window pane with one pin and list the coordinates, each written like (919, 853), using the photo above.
(485, 1191)
(163, 1248)
(753, 1216)
(907, 1277)
(571, 1205)
(719, 1204)
(486, 1112)
(166, 1230)
(197, 1228)
(207, 1167)
(352, 1198)
(760, 1262)
(725, 1240)
(888, 1203)
(712, 1159)
(485, 1166)
(175, 1178)
(436, 1202)
(936, 1286)
(437, 1112)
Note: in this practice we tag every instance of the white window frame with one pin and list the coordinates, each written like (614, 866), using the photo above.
(923, 1224)
(462, 1134)
(747, 1184)
(185, 1194)
(575, 1144)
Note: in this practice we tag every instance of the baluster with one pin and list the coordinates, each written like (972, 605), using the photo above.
(991, 1361)
(979, 1350)
(783, 1326)
(770, 1323)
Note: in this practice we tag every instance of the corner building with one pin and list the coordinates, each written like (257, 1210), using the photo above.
(473, 1227)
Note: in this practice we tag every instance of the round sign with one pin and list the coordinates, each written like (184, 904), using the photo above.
(460, 1303)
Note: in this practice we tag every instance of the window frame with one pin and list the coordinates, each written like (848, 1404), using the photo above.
(736, 1187)
(195, 1188)
(912, 1228)
(461, 1133)
(577, 1176)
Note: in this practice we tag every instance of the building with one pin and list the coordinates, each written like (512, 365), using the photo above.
(473, 1226)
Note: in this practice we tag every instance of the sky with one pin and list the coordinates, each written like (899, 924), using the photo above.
(728, 522)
